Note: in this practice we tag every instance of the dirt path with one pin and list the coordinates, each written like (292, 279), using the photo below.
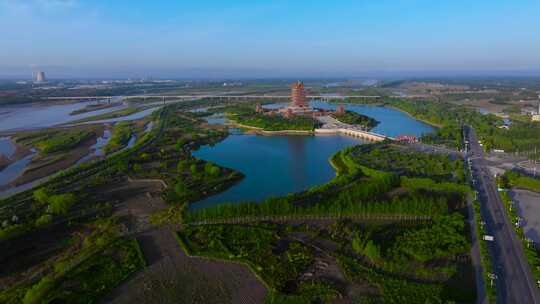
(326, 268)
(171, 276)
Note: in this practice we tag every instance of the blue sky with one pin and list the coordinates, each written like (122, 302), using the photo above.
(257, 38)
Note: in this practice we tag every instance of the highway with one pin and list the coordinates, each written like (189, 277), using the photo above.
(515, 282)
(221, 96)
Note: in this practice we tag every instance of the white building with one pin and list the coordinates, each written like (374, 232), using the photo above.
(536, 117)
(40, 77)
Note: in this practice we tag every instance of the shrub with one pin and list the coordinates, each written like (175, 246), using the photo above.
(44, 220)
(60, 204)
(41, 195)
(182, 165)
(180, 188)
(38, 291)
(12, 231)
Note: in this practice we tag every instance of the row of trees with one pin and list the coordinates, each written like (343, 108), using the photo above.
(416, 204)
(247, 116)
(353, 118)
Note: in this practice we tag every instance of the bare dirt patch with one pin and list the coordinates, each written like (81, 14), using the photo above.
(171, 276)
(42, 168)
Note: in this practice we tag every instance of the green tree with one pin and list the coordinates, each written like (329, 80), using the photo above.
(180, 188)
(179, 144)
(122, 165)
(41, 195)
(182, 165)
(208, 167)
(215, 171)
(211, 170)
(37, 292)
(44, 220)
(60, 204)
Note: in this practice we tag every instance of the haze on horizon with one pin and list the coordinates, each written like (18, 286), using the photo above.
(101, 38)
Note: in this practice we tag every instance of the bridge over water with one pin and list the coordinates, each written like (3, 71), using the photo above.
(334, 126)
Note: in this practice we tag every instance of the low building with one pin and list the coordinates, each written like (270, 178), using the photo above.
(259, 108)
(536, 117)
(407, 139)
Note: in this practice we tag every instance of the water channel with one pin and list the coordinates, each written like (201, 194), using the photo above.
(7, 148)
(38, 116)
(35, 117)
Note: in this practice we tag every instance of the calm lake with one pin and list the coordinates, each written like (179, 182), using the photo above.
(278, 165)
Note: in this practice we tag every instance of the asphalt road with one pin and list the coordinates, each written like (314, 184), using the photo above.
(515, 282)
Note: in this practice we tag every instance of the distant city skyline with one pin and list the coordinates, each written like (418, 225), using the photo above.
(254, 39)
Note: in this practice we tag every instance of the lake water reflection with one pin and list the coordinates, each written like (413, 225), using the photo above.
(278, 165)
(273, 165)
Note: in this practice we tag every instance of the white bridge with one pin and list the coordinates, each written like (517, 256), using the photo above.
(333, 126)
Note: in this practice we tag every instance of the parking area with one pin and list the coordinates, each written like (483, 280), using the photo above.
(528, 207)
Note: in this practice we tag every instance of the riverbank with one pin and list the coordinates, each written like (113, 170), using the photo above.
(111, 115)
(44, 167)
(435, 125)
(261, 131)
(94, 107)
(364, 103)
(39, 102)
(19, 153)
(386, 105)
(356, 119)
(62, 154)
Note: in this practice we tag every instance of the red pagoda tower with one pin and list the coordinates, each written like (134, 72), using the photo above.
(298, 95)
